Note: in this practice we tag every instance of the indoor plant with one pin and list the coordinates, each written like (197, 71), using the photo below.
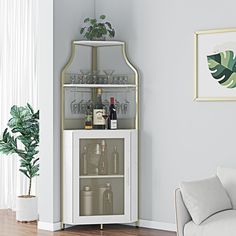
(97, 30)
(23, 140)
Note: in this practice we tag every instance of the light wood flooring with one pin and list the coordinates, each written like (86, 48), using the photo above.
(9, 227)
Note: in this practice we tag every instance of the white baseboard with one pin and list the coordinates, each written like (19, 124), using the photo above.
(142, 223)
(49, 226)
(157, 225)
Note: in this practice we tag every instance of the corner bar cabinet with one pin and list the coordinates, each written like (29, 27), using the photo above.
(88, 196)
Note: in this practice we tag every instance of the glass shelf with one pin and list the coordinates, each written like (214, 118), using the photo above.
(100, 176)
(100, 85)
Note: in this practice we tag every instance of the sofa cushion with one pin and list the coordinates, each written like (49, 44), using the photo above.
(220, 224)
(204, 198)
(227, 177)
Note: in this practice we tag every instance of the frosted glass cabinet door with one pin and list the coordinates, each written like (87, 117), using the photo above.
(101, 176)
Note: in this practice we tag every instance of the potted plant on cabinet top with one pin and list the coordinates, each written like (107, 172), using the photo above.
(95, 30)
(23, 140)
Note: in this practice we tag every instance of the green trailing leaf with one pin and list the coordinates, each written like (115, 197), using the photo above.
(223, 68)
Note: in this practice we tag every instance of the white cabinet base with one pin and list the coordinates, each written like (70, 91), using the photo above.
(124, 185)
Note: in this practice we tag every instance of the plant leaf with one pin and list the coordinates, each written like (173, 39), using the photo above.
(93, 21)
(223, 68)
(30, 108)
(109, 25)
(82, 30)
(102, 17)
(86, 20)
(24, 172)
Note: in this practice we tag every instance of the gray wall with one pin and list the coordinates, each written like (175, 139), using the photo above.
(180, 139)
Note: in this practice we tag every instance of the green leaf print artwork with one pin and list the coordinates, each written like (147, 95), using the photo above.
(223, 68)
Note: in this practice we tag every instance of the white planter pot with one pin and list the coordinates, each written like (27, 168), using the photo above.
(26, 209)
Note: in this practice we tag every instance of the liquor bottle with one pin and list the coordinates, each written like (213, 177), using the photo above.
(108, 200)
(84, 162)
(88, 118)
(113, 115)
(103, 162)
(115, 161)
(98, 111)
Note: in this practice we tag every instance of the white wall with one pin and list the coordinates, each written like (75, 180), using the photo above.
(180, 139)
(59, 24)
(45, 83)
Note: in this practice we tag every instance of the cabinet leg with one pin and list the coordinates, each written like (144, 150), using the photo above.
(62, 226)
(101, 226)
(136, 224)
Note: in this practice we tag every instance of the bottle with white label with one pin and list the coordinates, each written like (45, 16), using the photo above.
(98, 112)
(112, 115)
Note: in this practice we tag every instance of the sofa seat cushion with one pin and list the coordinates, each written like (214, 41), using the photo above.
(220, 224)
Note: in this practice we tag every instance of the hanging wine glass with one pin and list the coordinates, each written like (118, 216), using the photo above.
(108, 73)
(105, 116)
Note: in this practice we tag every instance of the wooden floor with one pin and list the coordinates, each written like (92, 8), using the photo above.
(9, 227)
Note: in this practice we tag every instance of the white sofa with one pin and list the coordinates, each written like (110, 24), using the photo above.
(221, 223)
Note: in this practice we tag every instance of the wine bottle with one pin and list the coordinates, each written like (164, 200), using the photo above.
(115, 161)
(98, 111)
(113, 115)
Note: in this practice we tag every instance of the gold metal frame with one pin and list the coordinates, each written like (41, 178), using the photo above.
(94, 62)
(196, 34)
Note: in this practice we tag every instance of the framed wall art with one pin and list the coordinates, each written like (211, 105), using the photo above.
(215, 65)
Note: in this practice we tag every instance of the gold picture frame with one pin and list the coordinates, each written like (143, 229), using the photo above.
(210, 84)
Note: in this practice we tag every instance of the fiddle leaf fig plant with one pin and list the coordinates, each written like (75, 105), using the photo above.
(96, 29)
(23, 140)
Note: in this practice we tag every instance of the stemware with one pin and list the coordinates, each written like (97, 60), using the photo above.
(95, 76)
(72, 78)
(105, 116)
(85, 76)
(108, 73)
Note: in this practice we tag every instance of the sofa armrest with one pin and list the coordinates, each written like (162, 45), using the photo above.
(181, 213)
